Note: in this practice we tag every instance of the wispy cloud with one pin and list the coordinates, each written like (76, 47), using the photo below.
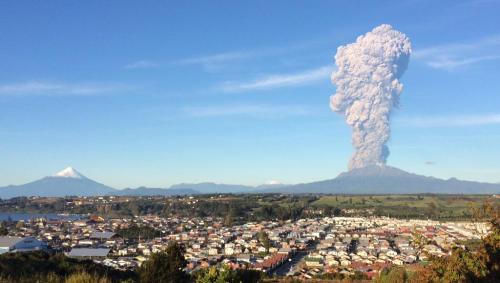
(452, 56)
(449, 64)
(221, 60)
(279, 80)
(217, 61)
(251, 110)
(217, 58)
(141, 64)
(59, 89)
(451, 121)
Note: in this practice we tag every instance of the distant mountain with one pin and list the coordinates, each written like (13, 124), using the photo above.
(271, 185)
(368, 180)
(197, 188)
(389, 180)
(64, 183)
(213, 188)
(143, 191)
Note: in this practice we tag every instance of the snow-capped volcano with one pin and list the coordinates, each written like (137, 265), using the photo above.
(70, 172)
(68, 182)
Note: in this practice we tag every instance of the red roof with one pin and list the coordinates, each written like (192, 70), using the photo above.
(272, 261)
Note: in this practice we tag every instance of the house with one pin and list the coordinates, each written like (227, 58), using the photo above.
(345, 262)
(18, 244)
(88, 253)
(391, 253)
(213, 251)
(245, 258)
(104, 236)
(397, 261)
(229, 251)
(332, 262)
(314, 261)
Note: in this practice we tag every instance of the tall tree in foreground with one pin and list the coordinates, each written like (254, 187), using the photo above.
(167, 267)
(482, 265)
(463, 265)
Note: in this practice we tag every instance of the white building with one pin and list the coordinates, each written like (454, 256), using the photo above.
(17, 244)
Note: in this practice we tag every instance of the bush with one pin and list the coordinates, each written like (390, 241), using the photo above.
(84, 277)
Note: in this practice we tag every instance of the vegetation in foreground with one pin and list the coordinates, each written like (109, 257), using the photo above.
(463, 265)
(51, 268)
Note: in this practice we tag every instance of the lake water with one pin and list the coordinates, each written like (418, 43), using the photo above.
(29, 216)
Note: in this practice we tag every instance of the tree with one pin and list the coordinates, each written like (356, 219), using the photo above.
(489, 253)
(19, 225)
(463, 265)
(460, 266)
(264, 240)
(225, 274)
(392, 275)
(228, 220)
(165, 267)
(3, 229)
(432, 210)
(40, 266)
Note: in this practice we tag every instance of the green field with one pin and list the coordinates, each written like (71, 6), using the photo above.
(422, 206)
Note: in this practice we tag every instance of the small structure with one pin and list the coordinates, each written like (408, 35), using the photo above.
(104, 235)
(18, 244)
(89, 253)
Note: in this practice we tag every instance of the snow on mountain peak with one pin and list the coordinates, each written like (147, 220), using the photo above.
(70, 172)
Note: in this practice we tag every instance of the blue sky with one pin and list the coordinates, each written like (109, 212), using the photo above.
(153, 93)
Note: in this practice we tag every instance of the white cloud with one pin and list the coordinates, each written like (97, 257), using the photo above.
(59, 89)
(215, 61)
(452, 56)
(256, 111)
(451, 121)
(142, 64)
(279, 80)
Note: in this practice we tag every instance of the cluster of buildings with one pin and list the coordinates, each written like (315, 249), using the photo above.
(304, 248)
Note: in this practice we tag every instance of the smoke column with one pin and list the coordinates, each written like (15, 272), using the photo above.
(368, 88)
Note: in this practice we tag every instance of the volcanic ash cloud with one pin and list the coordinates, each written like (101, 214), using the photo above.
(368, 88)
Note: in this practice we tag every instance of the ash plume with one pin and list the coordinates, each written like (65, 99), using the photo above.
(368, 88)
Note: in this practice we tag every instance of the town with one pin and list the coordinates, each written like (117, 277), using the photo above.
(303, 248)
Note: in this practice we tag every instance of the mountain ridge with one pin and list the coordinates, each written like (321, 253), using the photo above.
(376, 179)
(383, 179)
(56, 186)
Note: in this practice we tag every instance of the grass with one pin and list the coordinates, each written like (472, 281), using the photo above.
(418, 201)
(438, 206)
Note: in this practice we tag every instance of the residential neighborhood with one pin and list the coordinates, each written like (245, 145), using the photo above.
(305, 248)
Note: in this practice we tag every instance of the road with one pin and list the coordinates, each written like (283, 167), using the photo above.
(283, 269)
